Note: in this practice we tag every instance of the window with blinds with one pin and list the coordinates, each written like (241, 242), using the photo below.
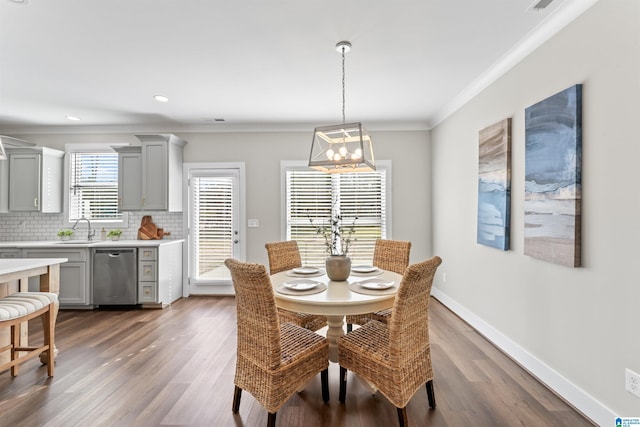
(312, 198)
(93, 193)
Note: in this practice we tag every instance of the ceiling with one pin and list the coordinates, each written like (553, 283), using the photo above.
(256, 64)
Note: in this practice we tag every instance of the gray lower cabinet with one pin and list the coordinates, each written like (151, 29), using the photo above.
(11, 253)
(160, 274)
(75, 279)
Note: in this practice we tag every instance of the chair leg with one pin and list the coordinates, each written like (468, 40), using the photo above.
(349, 327)
(324, 378)
(271, 421)
(402, 417)
(343, 384)
(431, 395)
(237, 394)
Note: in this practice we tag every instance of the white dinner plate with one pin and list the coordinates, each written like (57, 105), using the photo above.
(376, 284)
(305, 270)
(301, 284)
(364, 268)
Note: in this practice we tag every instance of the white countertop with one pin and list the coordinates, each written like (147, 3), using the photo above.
(87, 244)
(15, 265)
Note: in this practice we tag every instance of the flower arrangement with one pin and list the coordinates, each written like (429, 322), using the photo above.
(337, 236)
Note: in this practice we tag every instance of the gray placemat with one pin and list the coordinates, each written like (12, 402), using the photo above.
(282, 289)
(356, 287)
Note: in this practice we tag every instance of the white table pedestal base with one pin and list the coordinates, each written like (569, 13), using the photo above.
(335, 331)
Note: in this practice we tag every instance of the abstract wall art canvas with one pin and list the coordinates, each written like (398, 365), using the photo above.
(494, 185)
(553, 182)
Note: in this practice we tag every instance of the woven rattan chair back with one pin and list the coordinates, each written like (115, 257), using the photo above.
(391, 255)
(258, 327)
(273, 359)
(409, 322)
(283, 256)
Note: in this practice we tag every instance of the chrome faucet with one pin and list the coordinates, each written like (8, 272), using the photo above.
(90, 233)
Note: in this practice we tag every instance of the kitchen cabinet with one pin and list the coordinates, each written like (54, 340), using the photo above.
(4, 186)
(34, 178)
(129, 178)
(11, 253)
(150, 176)
(160, 274)
(75, 280)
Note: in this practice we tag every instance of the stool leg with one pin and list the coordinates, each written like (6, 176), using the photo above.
(15, 342)
(44, 356)
(49, 338)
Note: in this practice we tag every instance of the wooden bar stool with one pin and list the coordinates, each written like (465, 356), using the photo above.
(20, 307)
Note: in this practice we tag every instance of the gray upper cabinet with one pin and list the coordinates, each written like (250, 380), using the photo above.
(150, 176)
(34, 180)
(129, 178)
(4, 186)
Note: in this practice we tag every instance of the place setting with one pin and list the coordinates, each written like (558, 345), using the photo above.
(365, 270)
(374, 286)
(306, 271)
(301, 287)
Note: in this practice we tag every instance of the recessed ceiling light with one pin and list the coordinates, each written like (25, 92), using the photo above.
(18, 1)
(73, 118)
(161, 98)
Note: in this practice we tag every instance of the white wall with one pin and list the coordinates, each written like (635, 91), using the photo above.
(577, 328)
(262, 152)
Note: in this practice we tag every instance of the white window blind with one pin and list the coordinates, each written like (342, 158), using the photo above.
(93, 193)
(360, 198)
(212, 206)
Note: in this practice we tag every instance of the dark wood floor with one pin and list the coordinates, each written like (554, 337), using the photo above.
(174, 367)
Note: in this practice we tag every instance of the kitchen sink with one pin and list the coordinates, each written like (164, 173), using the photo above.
(74, 242)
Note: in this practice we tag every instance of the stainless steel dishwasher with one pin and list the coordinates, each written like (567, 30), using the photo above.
(115, 276)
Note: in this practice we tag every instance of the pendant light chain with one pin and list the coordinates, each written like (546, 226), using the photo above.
(343, 97)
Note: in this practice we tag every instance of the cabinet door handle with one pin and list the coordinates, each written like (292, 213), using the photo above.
(35, 202)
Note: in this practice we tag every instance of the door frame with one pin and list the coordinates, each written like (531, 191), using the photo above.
(187, 168)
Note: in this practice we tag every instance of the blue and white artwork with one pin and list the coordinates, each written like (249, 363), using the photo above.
(553, 184)
(494, 185)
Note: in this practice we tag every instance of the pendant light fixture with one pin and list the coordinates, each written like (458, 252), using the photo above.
(345, 147)
(3, 154)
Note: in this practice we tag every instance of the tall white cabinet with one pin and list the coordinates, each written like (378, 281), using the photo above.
(150, 175)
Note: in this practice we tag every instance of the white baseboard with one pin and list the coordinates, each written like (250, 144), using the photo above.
(573, 394)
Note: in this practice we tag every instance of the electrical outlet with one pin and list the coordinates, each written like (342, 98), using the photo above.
(632, 382)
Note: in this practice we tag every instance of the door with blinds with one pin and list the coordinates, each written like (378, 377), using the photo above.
(214, 226)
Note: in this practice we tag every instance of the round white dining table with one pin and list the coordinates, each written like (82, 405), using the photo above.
(335, 302)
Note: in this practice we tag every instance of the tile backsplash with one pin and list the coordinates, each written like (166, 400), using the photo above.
(25, 226)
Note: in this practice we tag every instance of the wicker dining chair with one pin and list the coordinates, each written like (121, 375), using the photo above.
(273, 359)
(285, 256)
(391, 255)
(395, 357)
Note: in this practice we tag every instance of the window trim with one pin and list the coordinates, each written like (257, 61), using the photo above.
(96, 148)
(286, 165)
